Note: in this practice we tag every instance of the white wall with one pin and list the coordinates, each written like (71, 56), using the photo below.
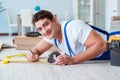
(110, 10)
(62, 8)
(118, 6)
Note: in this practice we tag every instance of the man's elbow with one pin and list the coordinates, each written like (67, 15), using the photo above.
(103, 45)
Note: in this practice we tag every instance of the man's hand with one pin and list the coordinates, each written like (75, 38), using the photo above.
(64, 59)
(32, 58)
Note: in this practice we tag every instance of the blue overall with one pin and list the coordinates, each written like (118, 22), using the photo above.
(104, 56)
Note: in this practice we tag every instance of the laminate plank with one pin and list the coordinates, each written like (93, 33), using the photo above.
(89, 70)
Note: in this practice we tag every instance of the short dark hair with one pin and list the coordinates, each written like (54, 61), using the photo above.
(41, 15)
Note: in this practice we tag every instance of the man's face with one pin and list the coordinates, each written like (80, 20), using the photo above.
(46, 27)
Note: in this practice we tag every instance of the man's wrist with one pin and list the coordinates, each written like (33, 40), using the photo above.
(73, 60)
(33, 53)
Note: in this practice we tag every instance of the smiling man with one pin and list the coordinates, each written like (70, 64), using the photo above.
(77, 41)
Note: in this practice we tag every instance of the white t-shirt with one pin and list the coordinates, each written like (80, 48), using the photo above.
(77, 32)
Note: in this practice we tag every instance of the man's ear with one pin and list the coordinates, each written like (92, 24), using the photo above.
(55, 18)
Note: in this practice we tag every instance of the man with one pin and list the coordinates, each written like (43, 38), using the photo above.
(82, 44)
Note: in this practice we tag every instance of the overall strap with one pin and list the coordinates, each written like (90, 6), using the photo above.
(67, 42)
(106, 54)
(101, 31)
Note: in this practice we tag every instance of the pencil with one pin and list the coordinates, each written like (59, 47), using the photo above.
(32, 52)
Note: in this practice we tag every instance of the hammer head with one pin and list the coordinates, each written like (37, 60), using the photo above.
(53, 56)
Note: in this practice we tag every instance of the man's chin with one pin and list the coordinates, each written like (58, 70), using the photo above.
(49, 37)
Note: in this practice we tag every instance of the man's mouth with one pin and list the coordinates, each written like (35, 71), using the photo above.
(48, 33)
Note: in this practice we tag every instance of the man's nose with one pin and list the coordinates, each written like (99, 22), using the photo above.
(44, 30)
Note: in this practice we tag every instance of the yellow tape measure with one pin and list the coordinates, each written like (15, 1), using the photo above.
(9, 59)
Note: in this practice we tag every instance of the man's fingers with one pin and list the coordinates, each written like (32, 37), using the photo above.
(32, 58)
(60, 60)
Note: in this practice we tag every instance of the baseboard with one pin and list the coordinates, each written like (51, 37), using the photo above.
(6, 34)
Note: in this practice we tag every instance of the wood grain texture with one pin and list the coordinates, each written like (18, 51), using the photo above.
(90, 70)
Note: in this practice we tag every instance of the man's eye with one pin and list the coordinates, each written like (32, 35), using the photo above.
(39, 29)
(45, 24)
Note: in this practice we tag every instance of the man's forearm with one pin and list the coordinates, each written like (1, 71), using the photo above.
(35, 51)
(89, 54)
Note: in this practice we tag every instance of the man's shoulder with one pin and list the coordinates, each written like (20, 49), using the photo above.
(73, 20)
(73, 25)
(51, 41)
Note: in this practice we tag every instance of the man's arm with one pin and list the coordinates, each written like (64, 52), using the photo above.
(95, 46)
(37, 50)
(41, 47)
